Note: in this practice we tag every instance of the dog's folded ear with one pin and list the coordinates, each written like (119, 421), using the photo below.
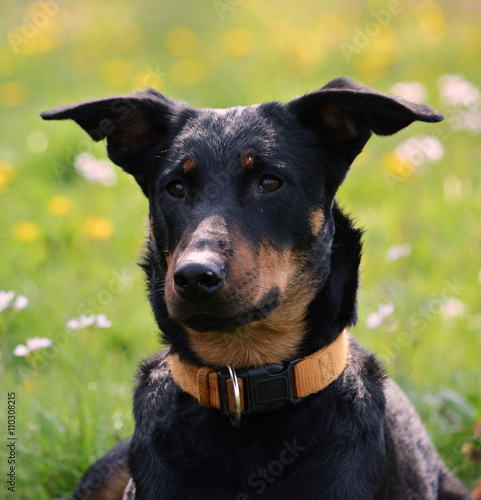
(133, 124)
(343, 114)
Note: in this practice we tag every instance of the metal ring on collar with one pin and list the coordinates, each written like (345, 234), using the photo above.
(237, 399)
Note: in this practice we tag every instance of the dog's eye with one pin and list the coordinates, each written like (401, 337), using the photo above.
(176, 189)
(269, 184)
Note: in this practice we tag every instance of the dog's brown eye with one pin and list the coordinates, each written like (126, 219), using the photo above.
(269, 184)
(176, 189)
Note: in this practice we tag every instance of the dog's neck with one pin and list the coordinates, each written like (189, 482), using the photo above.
(259, 390)
(334, 308)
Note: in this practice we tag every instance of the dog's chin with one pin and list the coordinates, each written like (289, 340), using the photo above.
(205, 322)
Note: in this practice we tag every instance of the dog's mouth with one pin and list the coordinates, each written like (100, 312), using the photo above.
(206, 322)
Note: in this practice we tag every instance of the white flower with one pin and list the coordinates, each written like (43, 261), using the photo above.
(412, 91)
(94, 170)
(456, 91)
(397, 252)
(5, 299)
(73, 324)
(82, 321)
(37, 343)
(103, 322)
(453, 308)
(419, 150)
(469, 120)
(33, 344)
(386, 310)
(375, 319)
(21, 350)
(85, 321)
(21, 302)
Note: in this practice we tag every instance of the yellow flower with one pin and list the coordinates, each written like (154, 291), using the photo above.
(432, 21)
(396, 166)
(7, 174)
(29, 385)
(59, 206)
(309, 47)
(379, 55)
(148, 79)
(116, 72)
(238, 42)
(13, 94)
(370, 68)
(98, 228)
(39, 32)
(332, 27)
(181, 41)
(385, 44)
(188, 72)
(26, 230)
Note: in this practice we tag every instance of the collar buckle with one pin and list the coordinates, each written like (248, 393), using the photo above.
(266, 388)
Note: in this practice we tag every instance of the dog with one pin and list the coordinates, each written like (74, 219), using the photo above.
(253, 276)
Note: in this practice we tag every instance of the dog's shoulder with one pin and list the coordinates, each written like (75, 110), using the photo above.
(413, 463)
(411, 467)
(154, 369)
(364, 378)
(155, 391)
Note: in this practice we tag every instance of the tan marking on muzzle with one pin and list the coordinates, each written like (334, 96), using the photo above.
(274, 339)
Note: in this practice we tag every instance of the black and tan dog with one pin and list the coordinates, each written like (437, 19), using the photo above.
(253, 277)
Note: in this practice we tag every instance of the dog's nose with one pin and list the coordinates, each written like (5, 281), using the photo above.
(198, 280)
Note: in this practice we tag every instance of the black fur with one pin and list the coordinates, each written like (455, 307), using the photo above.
(357, 439)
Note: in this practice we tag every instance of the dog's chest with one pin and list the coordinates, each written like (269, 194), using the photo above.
(195, 452)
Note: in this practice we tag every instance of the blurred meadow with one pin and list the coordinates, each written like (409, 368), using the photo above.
(72, 225)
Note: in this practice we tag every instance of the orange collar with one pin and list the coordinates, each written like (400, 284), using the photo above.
(257, 390)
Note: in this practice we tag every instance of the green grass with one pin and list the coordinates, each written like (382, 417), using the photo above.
(74, 398)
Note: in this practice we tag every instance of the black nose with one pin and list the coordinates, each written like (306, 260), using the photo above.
(198, 280)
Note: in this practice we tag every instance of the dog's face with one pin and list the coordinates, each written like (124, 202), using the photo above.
(236, 214)
(240, 205)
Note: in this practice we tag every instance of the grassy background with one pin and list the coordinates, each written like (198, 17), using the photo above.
(71, 246)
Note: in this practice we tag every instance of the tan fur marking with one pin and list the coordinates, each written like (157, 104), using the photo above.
(113, 486)
(248, 161)
(167, 253)
(271, 340)
(317, 221)
(251, 275)
(188, 165)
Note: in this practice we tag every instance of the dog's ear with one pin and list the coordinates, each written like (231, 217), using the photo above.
(343, 114)
(133, 124)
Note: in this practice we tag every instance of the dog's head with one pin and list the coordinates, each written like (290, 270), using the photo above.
(241, 204)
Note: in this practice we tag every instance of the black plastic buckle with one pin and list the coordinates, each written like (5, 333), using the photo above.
(267, 388)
